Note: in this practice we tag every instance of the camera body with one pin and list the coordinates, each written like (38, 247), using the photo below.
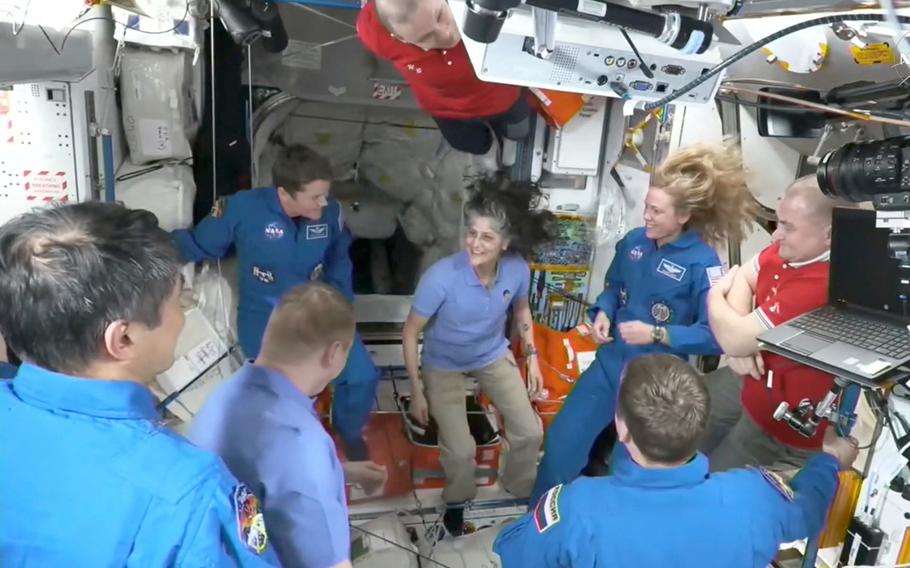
(876, 171)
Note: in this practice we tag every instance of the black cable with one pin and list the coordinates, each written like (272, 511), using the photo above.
(644, 66)
(69, 31)
(876, 404)
(395, 544)
(761, 43)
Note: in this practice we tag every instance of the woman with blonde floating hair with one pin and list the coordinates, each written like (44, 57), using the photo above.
(654, 297)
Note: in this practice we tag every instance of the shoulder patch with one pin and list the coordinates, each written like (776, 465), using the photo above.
(546, 513)
(715, 273)
(218, 207)
(778, 483)
(250, 522)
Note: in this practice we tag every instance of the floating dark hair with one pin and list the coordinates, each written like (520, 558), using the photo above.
(514, 205)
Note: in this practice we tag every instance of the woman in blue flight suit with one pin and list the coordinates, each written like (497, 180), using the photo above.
(654, 295)
(285, 235)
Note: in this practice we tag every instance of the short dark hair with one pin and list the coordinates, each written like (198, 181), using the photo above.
(308, 317)
(67, 272)
(665, 405)
(297, 165)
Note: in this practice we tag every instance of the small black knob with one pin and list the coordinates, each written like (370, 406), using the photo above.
(603, 80)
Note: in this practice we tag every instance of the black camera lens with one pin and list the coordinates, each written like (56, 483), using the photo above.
(860, 171)
(483, 19)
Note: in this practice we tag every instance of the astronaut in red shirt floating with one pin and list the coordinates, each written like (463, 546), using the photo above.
(787, 279)
(421, 39)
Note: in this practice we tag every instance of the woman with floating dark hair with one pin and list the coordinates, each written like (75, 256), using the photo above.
(461, 304)
(654, 297)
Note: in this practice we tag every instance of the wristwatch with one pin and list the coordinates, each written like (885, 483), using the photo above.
(658, 333)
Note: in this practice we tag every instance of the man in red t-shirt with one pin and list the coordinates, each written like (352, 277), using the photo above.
(787, 279)
(422, 41)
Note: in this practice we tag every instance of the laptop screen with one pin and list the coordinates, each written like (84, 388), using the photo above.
(862, 273)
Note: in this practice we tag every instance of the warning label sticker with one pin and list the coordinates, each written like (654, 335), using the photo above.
(873, 54)
(45, 186)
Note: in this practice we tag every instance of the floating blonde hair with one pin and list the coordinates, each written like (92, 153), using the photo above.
(708, 182)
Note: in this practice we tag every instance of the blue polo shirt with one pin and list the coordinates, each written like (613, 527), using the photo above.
(467, 320)
(90, 477)
(268, 433)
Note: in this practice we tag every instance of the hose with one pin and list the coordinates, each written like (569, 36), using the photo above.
(761, 43)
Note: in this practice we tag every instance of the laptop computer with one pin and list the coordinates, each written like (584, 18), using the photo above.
(863, 329)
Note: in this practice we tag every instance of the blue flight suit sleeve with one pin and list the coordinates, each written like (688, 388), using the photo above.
(338, 266)
(608, 300)
(212, 237)
(227, 530)
(306, 508)
(697, 338)
(551, 535)
(786, 514)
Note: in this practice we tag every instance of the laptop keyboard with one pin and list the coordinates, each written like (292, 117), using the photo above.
(885, 338)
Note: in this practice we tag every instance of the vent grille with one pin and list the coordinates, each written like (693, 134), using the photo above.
(564, 60)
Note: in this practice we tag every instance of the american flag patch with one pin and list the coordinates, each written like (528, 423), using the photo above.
(546, 513)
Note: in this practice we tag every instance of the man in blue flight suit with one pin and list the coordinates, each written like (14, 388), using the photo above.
(88, 474)
(660, 507)
(264, 425)
(653, 302)
(284, 236)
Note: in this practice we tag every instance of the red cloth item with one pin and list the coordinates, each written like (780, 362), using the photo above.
(782, 293)
(443, 80)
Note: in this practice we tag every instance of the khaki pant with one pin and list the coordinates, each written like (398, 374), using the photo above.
(501, 382)
(734, 439)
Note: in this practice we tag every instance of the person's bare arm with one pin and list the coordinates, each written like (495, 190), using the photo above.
(413, 326)
(735, 332)
(741, 296)
(525, 322)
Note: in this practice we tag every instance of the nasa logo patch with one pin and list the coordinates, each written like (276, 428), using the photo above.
(661, 312)
(250, 522)
(636, 253)
(274, 231)
(671, 270)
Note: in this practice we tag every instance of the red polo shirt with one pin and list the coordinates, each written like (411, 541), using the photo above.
(784, 291)
(443, 80)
